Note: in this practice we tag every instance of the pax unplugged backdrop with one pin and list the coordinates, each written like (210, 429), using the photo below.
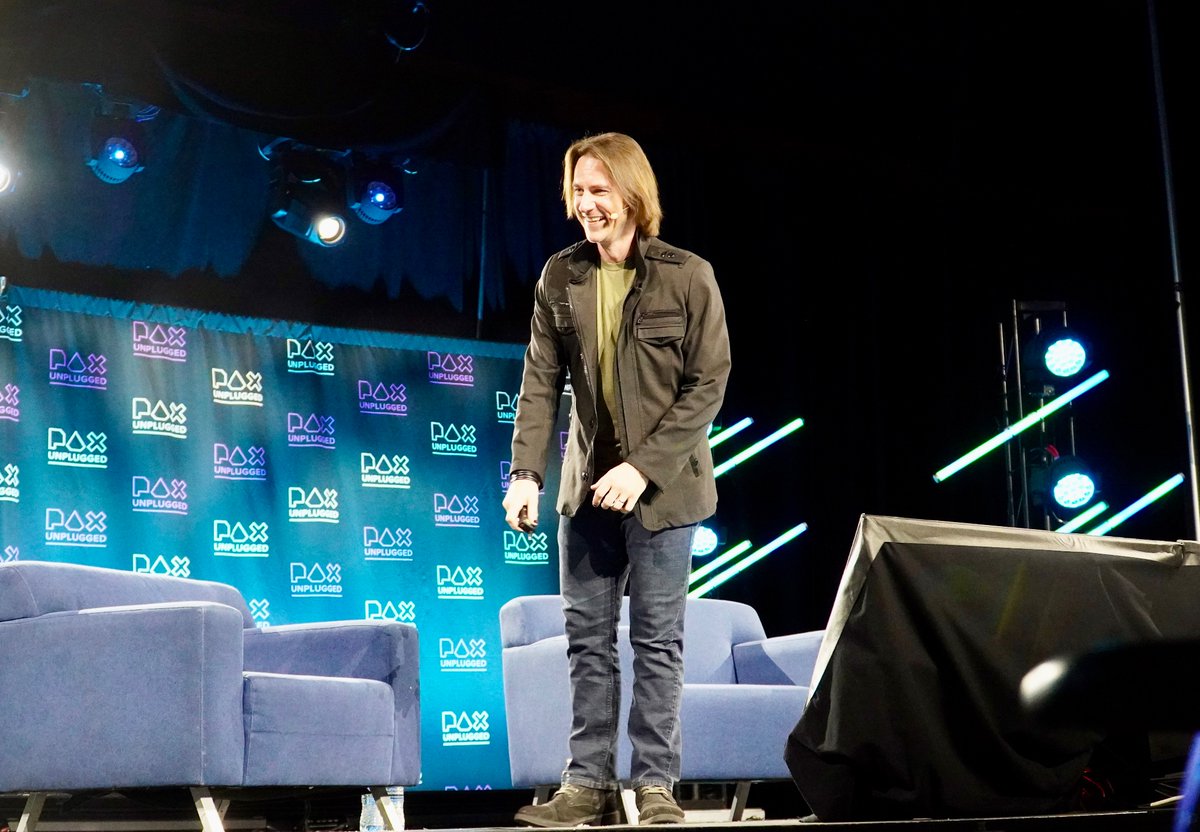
(327, 473)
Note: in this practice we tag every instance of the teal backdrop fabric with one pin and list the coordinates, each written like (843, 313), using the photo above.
(327, 473)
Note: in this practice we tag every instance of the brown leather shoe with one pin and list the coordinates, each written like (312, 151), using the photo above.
(656, 804)
(573, 805)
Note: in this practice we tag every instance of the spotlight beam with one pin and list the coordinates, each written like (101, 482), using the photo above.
(742, 456)
(1017, 427)
(1137, 505)
(748, 561)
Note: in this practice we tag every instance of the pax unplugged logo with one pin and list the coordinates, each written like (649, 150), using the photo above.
(382, 399)
(463, 655)
(74, 527)
(159, 418)
(234, 387)
(73, 369)
(176, 566)
(453, 511)
(232, 462)
(235, 539)
(313, 505)
(463, 728)
(310, 356)
(311, 431)
(394, 544)
(506, 407)
(10, 484)
(159, 495)
(166, 343)
(384, 470)
(11, 328)
(316, 580)
(455, 369)
(10, 403)
(75, 449)
(526, 549)
(452, 440)
(459, 583)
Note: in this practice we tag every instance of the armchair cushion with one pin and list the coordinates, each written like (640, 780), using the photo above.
(316, 730)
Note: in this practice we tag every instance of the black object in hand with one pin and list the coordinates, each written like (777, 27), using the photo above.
(523, 521)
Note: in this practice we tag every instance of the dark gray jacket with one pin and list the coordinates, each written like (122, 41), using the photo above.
(672, 367)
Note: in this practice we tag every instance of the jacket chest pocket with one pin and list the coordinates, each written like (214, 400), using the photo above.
(660, 326)
(564, 324)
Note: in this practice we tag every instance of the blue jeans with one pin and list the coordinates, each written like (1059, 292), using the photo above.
(600, 553)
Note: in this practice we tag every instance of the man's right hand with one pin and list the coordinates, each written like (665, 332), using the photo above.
(521, 505)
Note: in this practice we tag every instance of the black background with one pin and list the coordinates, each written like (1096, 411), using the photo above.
(875, 183)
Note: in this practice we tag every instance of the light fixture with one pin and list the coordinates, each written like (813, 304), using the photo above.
(375, 190)
(1071, 484)
(118, 137)
(1057, 354)
(1062, 484)
(705, 541)
(307, 192)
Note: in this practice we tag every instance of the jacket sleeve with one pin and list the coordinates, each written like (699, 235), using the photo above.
(542, 383)
(706, 362)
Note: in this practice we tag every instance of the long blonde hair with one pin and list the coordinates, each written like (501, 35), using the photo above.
(629, 170)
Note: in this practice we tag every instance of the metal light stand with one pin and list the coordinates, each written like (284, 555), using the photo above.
(1029, 313)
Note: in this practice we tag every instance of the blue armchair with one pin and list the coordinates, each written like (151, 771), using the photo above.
(116, 680)
(742, 693)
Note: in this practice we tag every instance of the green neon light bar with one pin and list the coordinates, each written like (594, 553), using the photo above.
(717, 562)
(714, 441)
(1011, 431)
(1083, 517)
(1136, 506)
(747, 561)
(791, 426)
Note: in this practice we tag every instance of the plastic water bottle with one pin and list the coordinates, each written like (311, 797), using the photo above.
(370, 819)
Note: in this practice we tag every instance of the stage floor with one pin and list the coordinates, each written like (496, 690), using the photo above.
(336, 811)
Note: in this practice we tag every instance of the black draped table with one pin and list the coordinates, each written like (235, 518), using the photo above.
(915, 709)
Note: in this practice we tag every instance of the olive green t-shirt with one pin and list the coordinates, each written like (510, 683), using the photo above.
(613, 281)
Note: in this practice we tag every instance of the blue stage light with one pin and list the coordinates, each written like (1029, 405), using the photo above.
(377, 202)
(704, 542)
(117, 160)
(375, 188)
(1071, 483)
(1056, 354)
(7, 178)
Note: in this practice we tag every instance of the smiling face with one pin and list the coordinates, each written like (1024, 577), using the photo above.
(607, 220)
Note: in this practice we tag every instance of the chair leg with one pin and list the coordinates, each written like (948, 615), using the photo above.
(393, 815)
(32, 812)
(211, 812)
(629, 812)
(542, 794)
(741, 794)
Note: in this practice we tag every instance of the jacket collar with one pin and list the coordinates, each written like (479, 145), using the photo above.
(584, 256)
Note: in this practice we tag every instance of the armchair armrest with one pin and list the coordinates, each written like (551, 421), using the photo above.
(780, 660)
(387, 651)
(83, 688)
